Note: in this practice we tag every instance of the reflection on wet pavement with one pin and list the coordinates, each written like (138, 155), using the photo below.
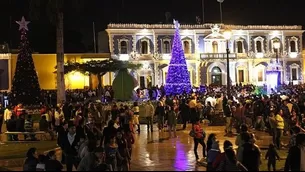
(156, 151)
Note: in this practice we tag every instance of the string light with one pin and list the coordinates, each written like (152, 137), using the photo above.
(178, 79)
(25, 88)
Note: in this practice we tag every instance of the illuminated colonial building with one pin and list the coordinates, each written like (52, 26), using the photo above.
(251, 50)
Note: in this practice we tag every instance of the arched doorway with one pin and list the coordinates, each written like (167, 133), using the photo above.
(216, 75)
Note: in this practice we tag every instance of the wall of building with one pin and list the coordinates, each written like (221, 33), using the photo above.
(46, 72)
(252, 51)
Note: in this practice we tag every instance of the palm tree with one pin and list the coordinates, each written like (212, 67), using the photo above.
(55, 12)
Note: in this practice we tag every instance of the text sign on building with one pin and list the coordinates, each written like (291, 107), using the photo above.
(217, 56)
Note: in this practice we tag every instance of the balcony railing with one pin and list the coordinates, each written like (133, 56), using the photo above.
(204, 56)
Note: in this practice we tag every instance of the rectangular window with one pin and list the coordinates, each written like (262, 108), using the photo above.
(166, 47)
(241, 75)
(294, 74)
(260, 76)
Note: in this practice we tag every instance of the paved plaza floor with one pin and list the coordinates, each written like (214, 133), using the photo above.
(156, 151)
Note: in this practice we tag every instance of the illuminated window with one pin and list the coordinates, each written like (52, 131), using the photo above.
(294, 74)
(260, 75)
(215, 47)
(186, 46)
(144, 47)
(240, 48)
(293, 46)
(124, 49)
(166, 47)
(241, 76)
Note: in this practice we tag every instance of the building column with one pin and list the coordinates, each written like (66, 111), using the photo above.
(197, 73)
(250, 72)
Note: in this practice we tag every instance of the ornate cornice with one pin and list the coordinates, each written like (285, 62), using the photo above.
(201, 26)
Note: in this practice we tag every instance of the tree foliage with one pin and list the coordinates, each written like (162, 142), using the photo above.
(123, 85)
(99, 67)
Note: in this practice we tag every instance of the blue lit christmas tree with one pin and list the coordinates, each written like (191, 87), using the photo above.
(178, 79)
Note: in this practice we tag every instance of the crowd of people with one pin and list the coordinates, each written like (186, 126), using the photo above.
(88, 145)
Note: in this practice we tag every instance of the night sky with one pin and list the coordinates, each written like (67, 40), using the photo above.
(78, 25)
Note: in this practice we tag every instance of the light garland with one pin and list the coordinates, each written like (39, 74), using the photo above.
(201, 26)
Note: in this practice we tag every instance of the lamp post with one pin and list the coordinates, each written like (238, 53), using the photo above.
(227, 35)
(276, 46)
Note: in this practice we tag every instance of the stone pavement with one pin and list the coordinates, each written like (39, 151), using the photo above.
(156, 151)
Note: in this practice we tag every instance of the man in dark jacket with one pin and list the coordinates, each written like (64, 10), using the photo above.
(294, 159)
(11, 126)
(228, 114)
(70, 142)
(20, 123)
(62, 132)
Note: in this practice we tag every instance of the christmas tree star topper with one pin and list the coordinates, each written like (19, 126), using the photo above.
(23, 24)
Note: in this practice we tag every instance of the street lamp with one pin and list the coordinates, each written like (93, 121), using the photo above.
(227, 35)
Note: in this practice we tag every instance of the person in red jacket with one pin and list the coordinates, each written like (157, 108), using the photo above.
(199, 138)
(18, 110)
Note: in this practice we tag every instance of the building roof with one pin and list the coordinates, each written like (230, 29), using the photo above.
(201, 26)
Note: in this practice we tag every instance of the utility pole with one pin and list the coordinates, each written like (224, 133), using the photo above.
(202, 6)
(220, 8)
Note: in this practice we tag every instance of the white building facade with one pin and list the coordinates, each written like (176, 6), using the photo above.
(251, 50)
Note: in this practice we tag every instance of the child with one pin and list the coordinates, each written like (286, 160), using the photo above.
(112, 153)
(41, 163)
(271, 155)
(212, 154)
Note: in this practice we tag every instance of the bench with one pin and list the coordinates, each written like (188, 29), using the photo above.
(41, 133)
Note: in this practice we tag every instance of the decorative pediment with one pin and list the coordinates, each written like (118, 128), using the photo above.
(259, 38)
(215, 33)
(294, 65)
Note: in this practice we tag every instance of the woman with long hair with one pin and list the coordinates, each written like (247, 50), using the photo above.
(31, 160)
(230, 163)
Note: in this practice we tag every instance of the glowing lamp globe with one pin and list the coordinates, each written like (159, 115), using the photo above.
(227, 34)
(276, 44)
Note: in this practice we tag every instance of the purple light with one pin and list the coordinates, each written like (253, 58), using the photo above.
(178, 79)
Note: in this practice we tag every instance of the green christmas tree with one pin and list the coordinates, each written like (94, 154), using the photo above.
(25, 88)
(123, 85)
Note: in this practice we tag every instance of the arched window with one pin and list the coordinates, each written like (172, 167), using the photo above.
(215, 47)
(240, 48)
(144, 47)
(124, 49)
(259, 47)
(186, 46)
(293, 46)
(166, 47)
(216, 76)
(216, 70)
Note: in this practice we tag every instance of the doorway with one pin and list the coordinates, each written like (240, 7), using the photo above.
(216, 76)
